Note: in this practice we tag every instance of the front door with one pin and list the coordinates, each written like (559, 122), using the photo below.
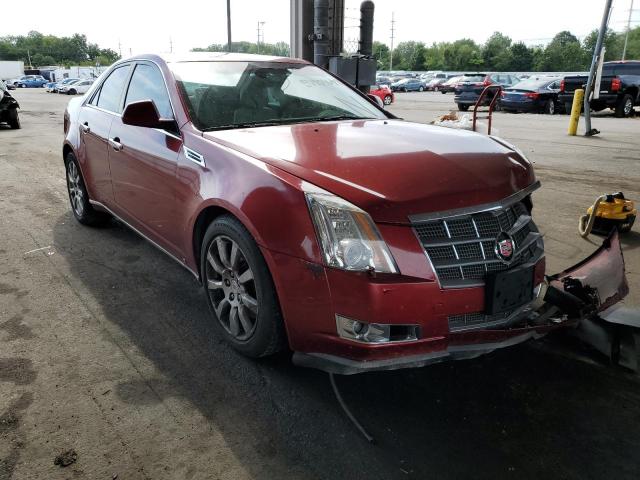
(144, 161)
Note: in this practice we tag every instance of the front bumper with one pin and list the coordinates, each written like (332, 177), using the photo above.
(602, 274)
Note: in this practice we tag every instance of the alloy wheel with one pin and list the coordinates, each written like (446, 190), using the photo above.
(231, 286)
(628, 106)
(75, 188)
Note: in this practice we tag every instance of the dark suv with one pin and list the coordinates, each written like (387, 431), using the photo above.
(470, 87)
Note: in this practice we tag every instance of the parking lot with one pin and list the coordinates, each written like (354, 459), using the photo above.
(106, 348)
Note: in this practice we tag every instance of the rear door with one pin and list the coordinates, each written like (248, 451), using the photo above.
(95, 123)
(144, 162)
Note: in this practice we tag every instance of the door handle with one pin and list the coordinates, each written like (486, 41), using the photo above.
(115, 143)
(85, 127)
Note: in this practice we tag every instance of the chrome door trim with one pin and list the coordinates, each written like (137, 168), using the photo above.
(101, 205)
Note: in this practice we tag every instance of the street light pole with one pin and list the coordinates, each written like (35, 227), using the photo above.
(592, 72)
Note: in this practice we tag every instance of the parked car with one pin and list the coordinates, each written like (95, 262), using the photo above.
(408, 85)
(31, 81)
(383, 81)
(619, 88)
(449, 85)
(317, 221)
(53, 87)
(468, 90)
(73, 88)
(532, 95)
(8, 107)
(383, 92)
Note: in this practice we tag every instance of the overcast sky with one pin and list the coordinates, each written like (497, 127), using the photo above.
(145, 26)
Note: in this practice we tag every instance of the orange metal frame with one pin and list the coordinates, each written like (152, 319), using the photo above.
(492, 105)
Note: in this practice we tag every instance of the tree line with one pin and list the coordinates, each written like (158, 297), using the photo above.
(280, 49)
(565, 53)
(39, 50)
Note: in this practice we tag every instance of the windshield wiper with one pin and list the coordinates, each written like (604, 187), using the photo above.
(240, 125)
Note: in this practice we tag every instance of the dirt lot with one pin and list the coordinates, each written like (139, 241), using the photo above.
(106, 348)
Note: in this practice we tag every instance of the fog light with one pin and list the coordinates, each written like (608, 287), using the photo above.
(375, 332)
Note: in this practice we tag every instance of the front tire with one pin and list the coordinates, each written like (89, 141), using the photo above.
(78, 196)
(624, 107)
(14, 119)
(72, 92)
(463, 108)
(421, 89)
(240, 291)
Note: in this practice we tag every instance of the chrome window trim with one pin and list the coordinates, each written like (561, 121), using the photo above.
(101, 205)
(446, 214)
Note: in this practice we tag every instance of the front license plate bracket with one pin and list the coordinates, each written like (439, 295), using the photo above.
(509, 289)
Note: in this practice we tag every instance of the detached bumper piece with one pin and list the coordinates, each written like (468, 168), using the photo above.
(591, 291)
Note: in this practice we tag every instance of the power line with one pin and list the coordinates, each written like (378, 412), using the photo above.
(626, 36)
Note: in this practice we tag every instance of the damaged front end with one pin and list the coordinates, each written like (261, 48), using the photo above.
(589, 293)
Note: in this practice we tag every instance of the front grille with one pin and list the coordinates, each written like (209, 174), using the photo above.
(462, 248)
(468, 321)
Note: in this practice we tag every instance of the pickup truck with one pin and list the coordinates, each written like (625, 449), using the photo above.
(619, 88)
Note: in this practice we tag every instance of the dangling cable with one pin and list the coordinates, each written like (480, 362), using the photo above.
(585, 224)
(353, 419)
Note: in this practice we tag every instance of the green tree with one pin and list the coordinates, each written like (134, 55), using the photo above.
(563, 53)
(613, 43)
(496, 53)
(409, 56)
(462, 54)
(381, 54)
(521, 58)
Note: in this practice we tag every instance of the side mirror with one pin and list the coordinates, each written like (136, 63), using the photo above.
(144, 114)
(375, 99)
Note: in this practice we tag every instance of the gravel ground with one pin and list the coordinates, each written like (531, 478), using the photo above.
(108, 359)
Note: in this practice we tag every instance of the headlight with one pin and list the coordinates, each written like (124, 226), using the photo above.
(348, 237)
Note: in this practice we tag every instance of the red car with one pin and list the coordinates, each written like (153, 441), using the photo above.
(384, 93)
(315, 220)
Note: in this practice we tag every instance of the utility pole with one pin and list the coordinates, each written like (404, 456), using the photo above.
(393, 31)
(260, 31)
(592, 72)
(119, 48)
(228, 25)
(626, 37)
(170, 45)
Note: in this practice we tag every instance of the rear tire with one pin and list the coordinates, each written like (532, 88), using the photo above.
(244, 305)
(14, 119)
(550, 107)
(421, 89)
(78, 196)
(387, 100)
(567, 108)
(624, 107)
(463, 108)
(72, 92)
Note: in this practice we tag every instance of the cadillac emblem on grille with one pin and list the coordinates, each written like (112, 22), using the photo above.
(505, 248)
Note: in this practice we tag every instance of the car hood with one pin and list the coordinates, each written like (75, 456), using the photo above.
(389, 168)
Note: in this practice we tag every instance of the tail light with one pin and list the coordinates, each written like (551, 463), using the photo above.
(532, 95)
(615, 84)
(562, 86)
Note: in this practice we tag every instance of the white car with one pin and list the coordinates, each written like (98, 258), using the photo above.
(73, 88)
(55, 86)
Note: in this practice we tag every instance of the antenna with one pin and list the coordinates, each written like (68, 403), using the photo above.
(393, 31)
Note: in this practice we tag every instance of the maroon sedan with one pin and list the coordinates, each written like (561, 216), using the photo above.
(315, 220)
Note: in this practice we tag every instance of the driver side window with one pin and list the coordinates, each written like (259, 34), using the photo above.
(147, 83)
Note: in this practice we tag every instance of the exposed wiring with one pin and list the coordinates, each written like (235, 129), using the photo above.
(353, 419)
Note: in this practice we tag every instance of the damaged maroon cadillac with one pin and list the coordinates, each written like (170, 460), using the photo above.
(318, 222)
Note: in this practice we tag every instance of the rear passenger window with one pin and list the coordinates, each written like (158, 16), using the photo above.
(147, 83)
(110, 93)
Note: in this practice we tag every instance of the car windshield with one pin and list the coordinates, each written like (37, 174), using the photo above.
(235, 94)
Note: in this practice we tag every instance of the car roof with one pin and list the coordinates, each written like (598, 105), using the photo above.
(623, 62)
(213, 57)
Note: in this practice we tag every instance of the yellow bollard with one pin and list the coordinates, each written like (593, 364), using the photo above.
(576, 108)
